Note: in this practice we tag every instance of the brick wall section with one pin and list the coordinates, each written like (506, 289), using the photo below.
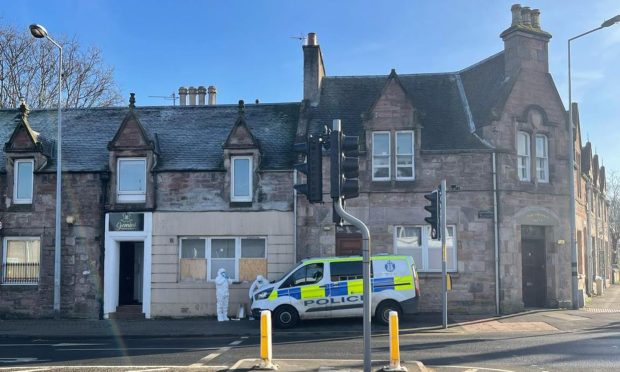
(209, 191)
(81, 247)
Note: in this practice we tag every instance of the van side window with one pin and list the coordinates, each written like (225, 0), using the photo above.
(347, 270)
(309, 274)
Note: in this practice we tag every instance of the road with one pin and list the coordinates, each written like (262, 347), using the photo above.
(593, 346)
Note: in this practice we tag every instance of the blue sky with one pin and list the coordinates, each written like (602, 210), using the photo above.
(246, 48)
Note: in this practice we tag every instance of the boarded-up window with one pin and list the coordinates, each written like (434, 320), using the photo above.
(193, 265)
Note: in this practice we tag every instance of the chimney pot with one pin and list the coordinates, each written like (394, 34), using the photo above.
(192, 96)
(182, 96)
(526, 15)
(516, 15)
(212, 94)
(536, 19)
(202, 91)
(312, 39)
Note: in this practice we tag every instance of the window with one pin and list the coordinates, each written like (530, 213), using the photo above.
(308, 274)
(523, 156)
(131, 185)
(346, 270)
(20, 260)
(542, 158)
(404, 155)
(241, 180)
(201, 258)
(415, 241)
(381, 156)
(23, 182)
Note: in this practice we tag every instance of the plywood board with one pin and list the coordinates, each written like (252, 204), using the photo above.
(193, 269)
(249, 268)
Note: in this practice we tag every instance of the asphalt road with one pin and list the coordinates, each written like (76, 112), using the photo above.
(591, 348)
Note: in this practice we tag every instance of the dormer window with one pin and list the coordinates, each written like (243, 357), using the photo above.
(241, 180)
(24, 181)
(131, 185)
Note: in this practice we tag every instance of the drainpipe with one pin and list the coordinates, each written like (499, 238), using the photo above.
(104, 177)
(496, 233)
(588, 238)
(295, 216)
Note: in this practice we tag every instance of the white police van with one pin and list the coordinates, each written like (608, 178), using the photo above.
(331, 287)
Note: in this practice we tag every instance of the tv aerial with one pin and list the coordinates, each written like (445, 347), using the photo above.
(172, 97)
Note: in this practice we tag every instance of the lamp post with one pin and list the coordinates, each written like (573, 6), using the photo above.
(40, 32)
(571, 168)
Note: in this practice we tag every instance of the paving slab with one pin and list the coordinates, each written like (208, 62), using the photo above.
(323, 365)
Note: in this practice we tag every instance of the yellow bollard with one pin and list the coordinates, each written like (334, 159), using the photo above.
(394, 345)
(265, 341)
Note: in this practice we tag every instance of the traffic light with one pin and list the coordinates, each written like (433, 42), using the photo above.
(312, 168)
(344, 165)
(434, 209)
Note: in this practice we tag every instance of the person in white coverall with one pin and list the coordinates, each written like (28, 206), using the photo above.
(221, 295)
(258, 283)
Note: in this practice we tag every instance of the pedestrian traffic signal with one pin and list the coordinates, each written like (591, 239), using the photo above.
(344, 151)
(434, 209)
(312, 168)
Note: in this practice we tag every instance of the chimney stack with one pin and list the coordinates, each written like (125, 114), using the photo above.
(212, 94)
(314, 69)
(192, 96)
(182, 96)
(525, 43)
(202, 92)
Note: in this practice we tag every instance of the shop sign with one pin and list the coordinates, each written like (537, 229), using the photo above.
(126, 221)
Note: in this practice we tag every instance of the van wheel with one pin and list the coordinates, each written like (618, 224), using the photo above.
(382, 313)
(285, 317)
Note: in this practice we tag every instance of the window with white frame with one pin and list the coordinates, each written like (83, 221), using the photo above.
(241, 179)
(381, 156)
(415, 241)
(20, 260)
(542, 158)
(404, 155)
(23, 182)
(131, 185)
(242, 257)
(523, 155)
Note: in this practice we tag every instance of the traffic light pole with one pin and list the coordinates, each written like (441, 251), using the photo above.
(444, 255)
(366, 273)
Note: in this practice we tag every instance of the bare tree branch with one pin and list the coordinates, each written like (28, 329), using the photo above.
(29, 70)
(613, 193)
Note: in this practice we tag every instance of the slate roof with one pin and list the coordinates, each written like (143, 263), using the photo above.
(443, 109)
(188, 138)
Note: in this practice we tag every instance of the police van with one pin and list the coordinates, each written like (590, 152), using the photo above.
(331, 287)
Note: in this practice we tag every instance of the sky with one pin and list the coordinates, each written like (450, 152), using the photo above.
(250, 49)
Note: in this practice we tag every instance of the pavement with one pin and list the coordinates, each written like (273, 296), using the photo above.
(600, 309)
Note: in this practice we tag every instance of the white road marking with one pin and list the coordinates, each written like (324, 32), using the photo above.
(17, 360)
(73, 344)
(35, 370)
(475, 368)
(149, 370)
(141, 348)
(235, 343)
(212, 356)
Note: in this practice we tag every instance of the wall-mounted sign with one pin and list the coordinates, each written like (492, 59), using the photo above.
(127, 221)
(485, 214)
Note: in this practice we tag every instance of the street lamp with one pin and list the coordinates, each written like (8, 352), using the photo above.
(571, 168)
(40, 32)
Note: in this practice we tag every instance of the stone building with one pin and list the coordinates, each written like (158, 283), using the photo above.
(592, 225)
(496, 131)
(155, 201)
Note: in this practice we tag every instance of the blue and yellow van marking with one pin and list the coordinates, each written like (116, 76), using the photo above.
(344, 288)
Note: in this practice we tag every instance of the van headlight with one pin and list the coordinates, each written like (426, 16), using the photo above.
(263, 294)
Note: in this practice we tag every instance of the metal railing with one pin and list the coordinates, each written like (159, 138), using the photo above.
(20, 273)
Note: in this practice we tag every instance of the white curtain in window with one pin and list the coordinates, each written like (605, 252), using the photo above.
(241, 179)
(23, 180)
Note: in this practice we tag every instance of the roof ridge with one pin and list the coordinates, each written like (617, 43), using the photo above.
(471, 67)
